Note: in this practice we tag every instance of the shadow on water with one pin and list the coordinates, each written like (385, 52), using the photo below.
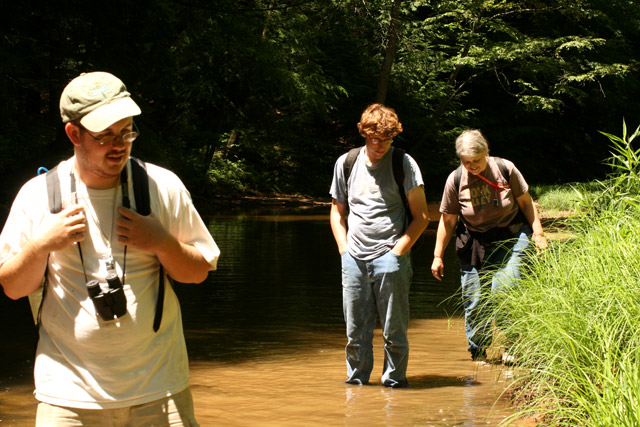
(434, 381)
(265, 336)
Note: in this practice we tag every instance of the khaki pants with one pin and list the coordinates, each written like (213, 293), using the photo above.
(176, 410)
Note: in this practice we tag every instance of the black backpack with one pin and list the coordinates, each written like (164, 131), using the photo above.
(143, 207)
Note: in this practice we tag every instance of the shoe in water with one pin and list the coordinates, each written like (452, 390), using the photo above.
(508, 359)
(396, 384)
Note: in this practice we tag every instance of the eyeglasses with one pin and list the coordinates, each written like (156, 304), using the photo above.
(376, 141)
(110, 138)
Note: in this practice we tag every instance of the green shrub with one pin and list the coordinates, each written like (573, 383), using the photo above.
(227, 173)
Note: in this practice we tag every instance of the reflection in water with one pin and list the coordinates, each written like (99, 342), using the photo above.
(266, 339)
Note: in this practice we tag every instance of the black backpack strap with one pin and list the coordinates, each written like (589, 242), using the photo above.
(157, 318)
(397, 164)
(143, 207)
(352, 155)
(347, 167)
(55, 206)
(140, 186)
(457, 175)
(397, 160)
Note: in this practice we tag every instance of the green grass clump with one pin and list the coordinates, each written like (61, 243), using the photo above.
(574, 319)
(564, 198)
(555, 197)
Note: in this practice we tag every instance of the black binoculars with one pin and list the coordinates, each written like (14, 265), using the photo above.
(111, 303)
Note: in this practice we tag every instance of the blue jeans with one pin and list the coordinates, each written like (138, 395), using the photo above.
(378, 287)
(500, 270)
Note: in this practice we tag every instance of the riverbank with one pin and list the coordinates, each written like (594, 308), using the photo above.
(552, 219)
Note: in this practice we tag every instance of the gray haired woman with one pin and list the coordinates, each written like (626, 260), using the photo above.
(486, 204)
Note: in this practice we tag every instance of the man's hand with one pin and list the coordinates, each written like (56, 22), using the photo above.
(183, 262)
(338, 222)
(22, 273)
(142, 232)
(60, 230)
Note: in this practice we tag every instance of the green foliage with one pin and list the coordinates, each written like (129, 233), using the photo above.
(227, 175)
(624, 162)
(290, 79)
(539, 60)
(574, 319)
(620, 191)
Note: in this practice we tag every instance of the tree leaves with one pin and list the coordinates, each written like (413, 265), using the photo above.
(270, 91)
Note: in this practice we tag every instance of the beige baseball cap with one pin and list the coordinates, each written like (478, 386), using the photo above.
(97, 100)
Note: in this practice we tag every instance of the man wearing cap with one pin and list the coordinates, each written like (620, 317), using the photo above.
(92, 370)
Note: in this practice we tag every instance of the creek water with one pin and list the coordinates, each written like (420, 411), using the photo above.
(265, 336)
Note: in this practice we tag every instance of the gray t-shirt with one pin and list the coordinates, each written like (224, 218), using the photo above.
(376, 214)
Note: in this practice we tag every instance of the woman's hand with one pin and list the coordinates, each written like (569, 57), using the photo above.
(541, 242)
(437, 267)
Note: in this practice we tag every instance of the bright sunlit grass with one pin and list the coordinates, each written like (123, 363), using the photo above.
(574, 320)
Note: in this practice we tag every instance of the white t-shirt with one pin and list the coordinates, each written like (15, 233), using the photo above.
(81, 360)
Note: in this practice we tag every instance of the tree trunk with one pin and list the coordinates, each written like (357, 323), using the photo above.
(390, 54)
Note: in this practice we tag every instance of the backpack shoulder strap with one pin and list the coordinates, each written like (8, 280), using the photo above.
(140, 179)
(352, 155)
(55, 205)
(53, 190)
(503, 169)
(397, 164)
(457, 175)
(140, 186)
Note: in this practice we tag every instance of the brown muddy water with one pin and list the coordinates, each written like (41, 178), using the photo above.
(266, 340)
